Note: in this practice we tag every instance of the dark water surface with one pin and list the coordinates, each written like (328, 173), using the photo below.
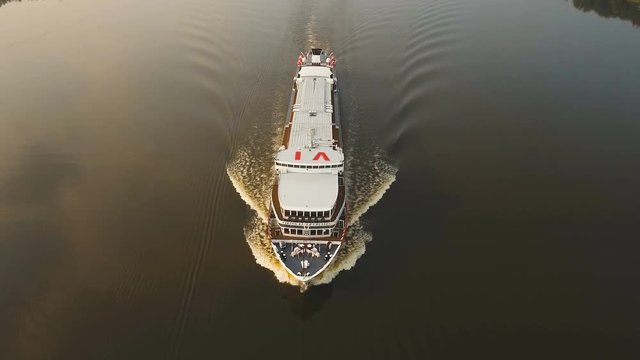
(494, 148)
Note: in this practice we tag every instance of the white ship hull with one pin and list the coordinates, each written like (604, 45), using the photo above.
(308, 206)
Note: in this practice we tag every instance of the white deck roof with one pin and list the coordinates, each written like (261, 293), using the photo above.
(310, 143)
(312, 109)
(308, 192)
(318, 71)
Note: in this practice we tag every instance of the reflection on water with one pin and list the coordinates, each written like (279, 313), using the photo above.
(510, 225)
(621, 9)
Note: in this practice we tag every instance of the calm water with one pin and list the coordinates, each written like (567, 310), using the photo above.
(494, 148)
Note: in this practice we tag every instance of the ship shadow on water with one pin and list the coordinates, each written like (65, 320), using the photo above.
(305, 305)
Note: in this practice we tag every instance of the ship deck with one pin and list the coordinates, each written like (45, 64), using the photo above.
(340, 200)
(335, 128)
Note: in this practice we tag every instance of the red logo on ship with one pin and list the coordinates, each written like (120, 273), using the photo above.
(319, 155)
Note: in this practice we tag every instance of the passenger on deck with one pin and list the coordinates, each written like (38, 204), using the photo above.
(297, 251)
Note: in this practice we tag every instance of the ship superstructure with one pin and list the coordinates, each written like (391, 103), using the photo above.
(308, 204)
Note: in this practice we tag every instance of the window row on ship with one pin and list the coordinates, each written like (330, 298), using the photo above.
(297, 166)
(318, 232)
(314, 215)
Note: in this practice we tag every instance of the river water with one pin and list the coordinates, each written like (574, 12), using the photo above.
(494, 157)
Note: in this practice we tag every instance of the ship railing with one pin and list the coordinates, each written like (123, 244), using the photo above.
(314, 233)
(307, 219)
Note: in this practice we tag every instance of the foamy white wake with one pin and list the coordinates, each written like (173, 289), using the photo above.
(252, 181)
(252, 173)
(253, 177)
(368, 178)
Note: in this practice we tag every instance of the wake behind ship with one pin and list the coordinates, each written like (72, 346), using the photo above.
(308, 201)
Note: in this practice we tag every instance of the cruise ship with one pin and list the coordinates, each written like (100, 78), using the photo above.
(308, 208)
